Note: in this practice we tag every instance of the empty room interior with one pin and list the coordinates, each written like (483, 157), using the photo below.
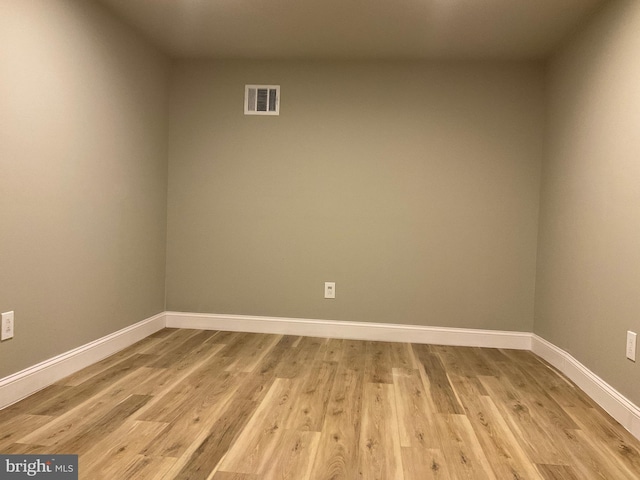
(246, 240)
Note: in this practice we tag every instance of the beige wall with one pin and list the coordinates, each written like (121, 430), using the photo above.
(588, 287)
(413, 186)
(82, 174)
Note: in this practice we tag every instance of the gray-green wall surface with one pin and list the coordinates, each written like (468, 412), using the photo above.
(588, 286)
(414, 186)
(83, 173)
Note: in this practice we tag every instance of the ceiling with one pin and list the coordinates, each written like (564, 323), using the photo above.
(348, 29)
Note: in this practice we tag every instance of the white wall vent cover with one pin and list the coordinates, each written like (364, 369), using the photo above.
(262, 99)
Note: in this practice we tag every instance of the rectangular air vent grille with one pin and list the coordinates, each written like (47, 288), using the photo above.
(262, 99)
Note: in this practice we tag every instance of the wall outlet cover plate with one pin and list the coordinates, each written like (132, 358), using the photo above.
(7, 326)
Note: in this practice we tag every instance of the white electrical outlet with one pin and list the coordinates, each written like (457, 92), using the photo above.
(329, 289)
(7, 326)
(631, 346)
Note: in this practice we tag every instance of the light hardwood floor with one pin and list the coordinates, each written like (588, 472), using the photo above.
(191, 404)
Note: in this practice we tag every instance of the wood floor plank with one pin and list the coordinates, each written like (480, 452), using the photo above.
(337, 456)
(99, 367)
(402, 356)
(253, 449)
(461, 449)
(564, 392)
(503, 453)
(493, 356)
(253, 353)
(476, 364)
(522, 357)
(121, 447)
(268, 364)
(91, 387)
(165, 332)
(191, 358)
(84, 415)
(104, 425)
(379, 447)
(241, 343)
(415, 411)
(590, 458)
(28, 449)
(354, 355)
(173, 337)
(378, 363)
(215, 405)
(558, 472)
(310, 405)
(440, 388)
(90, 435)
(212, 445)
(190, 348)
(451, 358)
(612, 438)
(540, 444)
(296, 452)
(201, 411)
(545, 407)
(15, 428)
(299, 357)
(334, 350)
(200, 463)
(225, 338)
(156, 381)
(173, 401)
(140, 468)
(34, 402)
(424, 464)
(464, 364)
(234, 476)
(68, 425)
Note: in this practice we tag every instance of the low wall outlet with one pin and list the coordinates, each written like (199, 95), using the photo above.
(329, 289)
(631, 346)
(7, 326)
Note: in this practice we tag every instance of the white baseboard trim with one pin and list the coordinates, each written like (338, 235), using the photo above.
(618, 406)
(26, 382)
(612, 401)
(352, 330)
